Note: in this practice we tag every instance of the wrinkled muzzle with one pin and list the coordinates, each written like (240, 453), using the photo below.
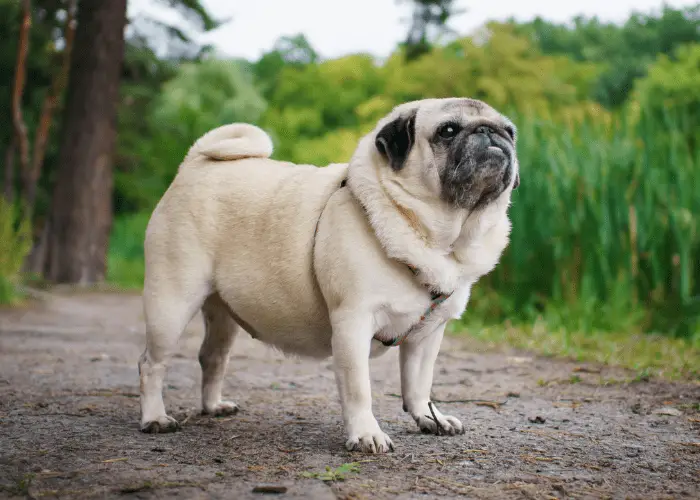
(480, 166)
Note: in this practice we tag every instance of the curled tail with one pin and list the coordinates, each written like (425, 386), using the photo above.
(232, 142)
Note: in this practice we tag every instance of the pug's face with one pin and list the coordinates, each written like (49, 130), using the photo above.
(461, 151)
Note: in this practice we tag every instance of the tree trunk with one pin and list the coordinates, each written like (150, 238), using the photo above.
(81, 207)
(19, 140)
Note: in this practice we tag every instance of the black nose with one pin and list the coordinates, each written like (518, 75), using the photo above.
(485, 129)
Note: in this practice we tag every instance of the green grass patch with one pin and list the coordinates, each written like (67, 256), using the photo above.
(333, 475)
(647, 354)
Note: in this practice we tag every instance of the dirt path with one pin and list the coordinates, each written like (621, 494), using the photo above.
(69, 421)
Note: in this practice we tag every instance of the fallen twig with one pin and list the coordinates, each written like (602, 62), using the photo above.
(531, 458)
(583, 369)
(478, 402)
(491, 404)
(439, 431)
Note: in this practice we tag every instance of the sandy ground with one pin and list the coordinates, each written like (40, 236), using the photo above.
(536, 427)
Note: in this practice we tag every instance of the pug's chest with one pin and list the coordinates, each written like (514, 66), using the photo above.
(413, 317)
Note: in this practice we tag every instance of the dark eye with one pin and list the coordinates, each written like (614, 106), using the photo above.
(449, 130)
(511, 132)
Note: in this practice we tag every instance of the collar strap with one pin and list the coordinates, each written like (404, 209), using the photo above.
(435, 300)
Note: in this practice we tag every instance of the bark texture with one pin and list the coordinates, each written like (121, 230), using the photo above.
(81, 209)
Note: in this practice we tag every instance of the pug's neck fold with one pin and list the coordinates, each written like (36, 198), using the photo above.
(445, 244)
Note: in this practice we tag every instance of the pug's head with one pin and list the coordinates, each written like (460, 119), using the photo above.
(459, 150)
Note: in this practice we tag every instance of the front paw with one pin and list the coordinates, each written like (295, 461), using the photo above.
(431, 421)
(160, 425)
(376, 442)
(365, 435)
(449, 425)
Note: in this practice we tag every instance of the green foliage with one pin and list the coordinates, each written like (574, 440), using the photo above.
(288, 52)
(625, 52)
(125, 266)
(498, 66)
(15, 244)
(200, 97)
(337, 474)
(45, 50)
(314, 98)
(672, 90)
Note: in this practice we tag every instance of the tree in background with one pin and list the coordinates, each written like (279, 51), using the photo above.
(47, 62)
(624, 52)
(31, 159)
(429, 18)
(81, 211)
(81, 208)
(19, 140)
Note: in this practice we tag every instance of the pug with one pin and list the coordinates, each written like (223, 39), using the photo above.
(349, 260)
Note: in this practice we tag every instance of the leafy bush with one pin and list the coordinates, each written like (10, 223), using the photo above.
(15, 244)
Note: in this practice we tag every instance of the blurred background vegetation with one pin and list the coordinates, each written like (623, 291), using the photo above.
(605, 242)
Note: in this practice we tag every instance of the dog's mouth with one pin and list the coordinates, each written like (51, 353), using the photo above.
(483, 168)
(491, 193)
(483, 180)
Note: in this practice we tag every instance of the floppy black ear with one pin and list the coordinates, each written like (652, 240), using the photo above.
(395, 140)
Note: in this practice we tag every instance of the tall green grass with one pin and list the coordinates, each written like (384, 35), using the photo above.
(15, 244)
(605, 231)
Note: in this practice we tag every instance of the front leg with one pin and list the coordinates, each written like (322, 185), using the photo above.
(417, 365)
(351, 348)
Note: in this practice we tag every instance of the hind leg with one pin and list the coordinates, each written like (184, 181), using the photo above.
(168, 309)
(221, 331)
